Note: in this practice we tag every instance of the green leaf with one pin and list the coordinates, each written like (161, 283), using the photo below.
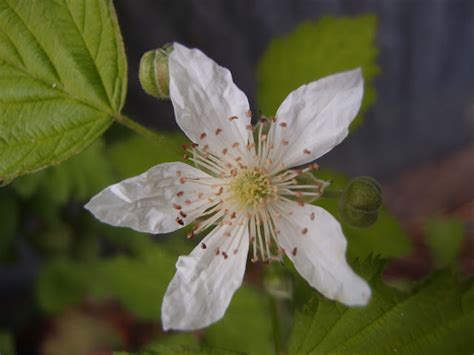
(436, 318)
(444, 238)
(135, 155)
(315, 50)
(79, 178)
(246, 326)
(385, 238)
(63, 79)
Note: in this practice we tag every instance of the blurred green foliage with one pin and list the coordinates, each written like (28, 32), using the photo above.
(444, 237)
(6, 344)
(181, 350)
(246, 327)
(315, 50)
(436, 318)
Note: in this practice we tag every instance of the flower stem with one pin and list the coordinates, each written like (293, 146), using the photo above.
(276, 325)
(137, 127)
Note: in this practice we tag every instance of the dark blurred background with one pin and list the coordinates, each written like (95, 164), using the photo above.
(417, 139)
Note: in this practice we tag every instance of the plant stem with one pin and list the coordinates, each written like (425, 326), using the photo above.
(276, 325)
(138, 128)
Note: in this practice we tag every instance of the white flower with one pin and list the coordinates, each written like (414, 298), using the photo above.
(244, 187)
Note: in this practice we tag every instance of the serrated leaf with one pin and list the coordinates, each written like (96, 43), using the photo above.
(315, 50)
(63, 78)
(437, 318)
(246, 326)
(444, 238)
(385, 238)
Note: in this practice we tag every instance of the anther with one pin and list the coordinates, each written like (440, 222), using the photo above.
(313, 166)
(236, 251)
(300, 203)
(264, 137)
(283, 124)
(311, 216)
(248, 114)
(187, 202)
(194, 145)
(218, 251)
(294, 251)
(224, 151)
(204, 246)
(185, 157)
(185, 146)
(200, 195)
(180, 193)
(182, 214)
(227, 234)
(307, 151)
(176, 206)
(249, 127)
(182, 179)
(179, 221)
(190, 235)
(232, 118)
(202, 135)
(284, 142)
(224, 254)
(217, 131)
(304, 231)
(235, 145)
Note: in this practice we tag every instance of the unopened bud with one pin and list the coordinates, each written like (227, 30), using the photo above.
(360, 202)
(154, 73)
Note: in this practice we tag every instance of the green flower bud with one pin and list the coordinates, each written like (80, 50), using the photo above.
(360, 202)
(154, 74)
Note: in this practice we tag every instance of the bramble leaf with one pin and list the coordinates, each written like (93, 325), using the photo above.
(63, 78)
(436, 318)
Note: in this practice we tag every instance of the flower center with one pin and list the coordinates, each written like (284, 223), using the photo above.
(252, 187)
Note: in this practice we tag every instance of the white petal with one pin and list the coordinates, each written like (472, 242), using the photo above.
(204, 282)
(320, 254)
(205, 98)
(318, 116)
(147, 202)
